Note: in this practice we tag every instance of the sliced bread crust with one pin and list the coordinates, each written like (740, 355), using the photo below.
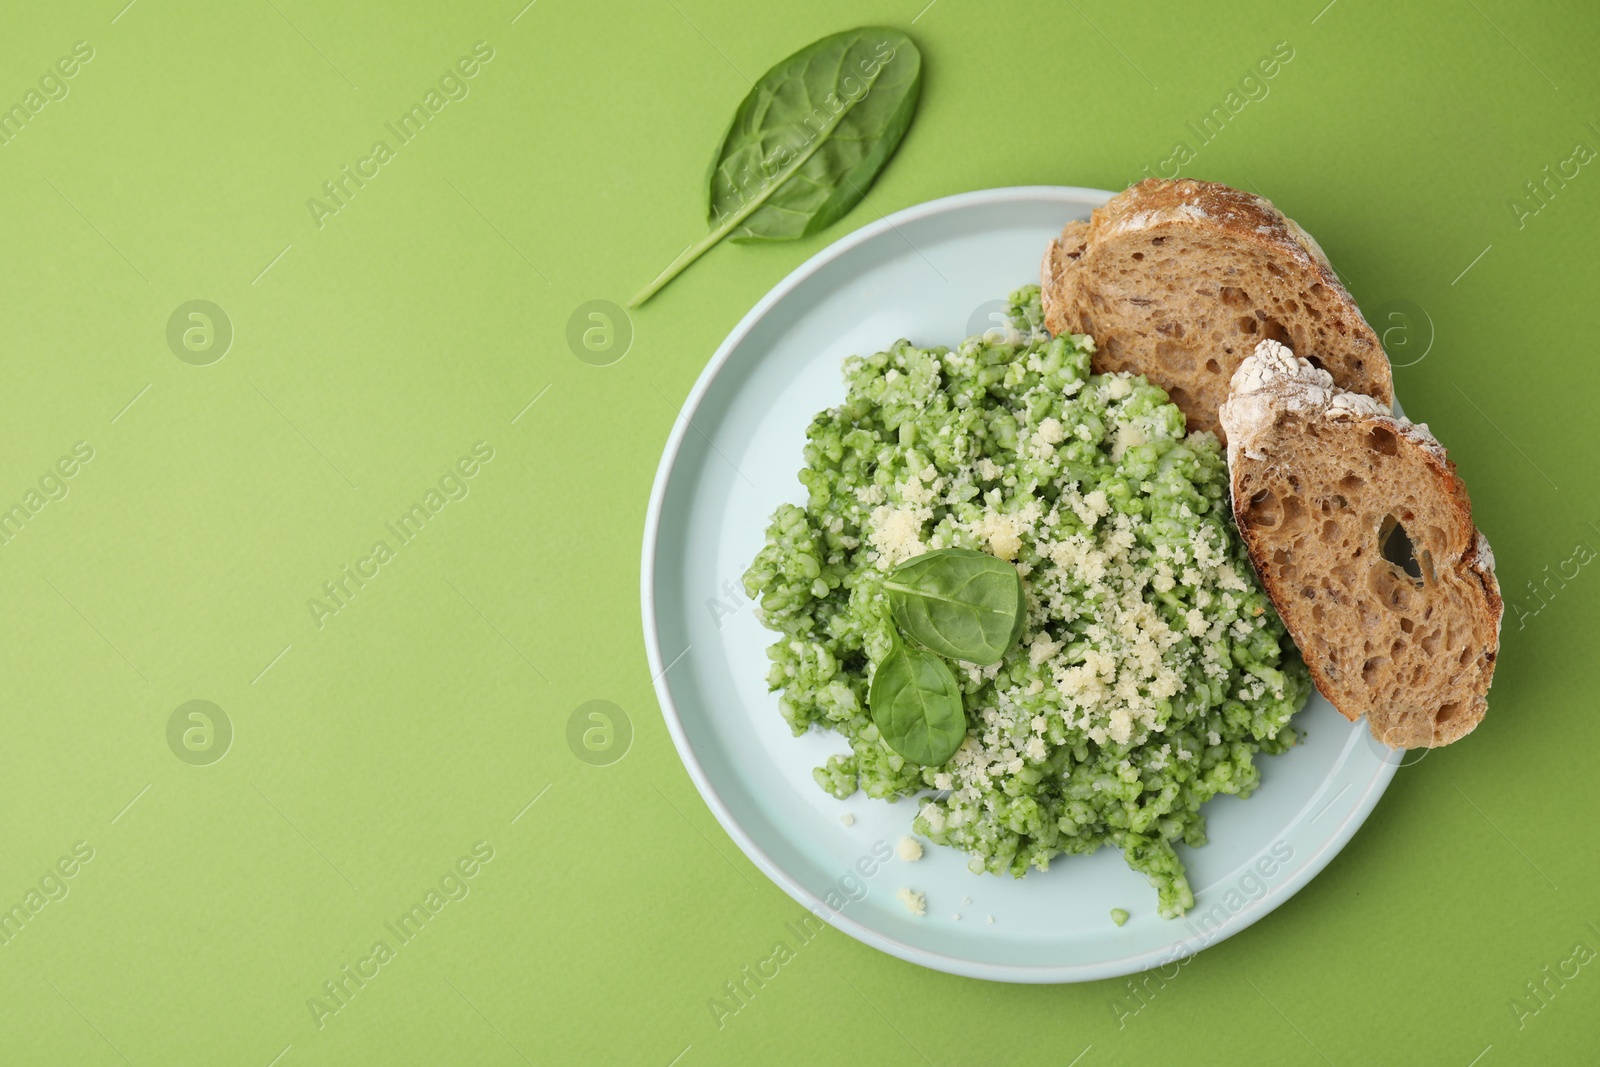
(1179, 280)
(1403, 629)
(1060, 256)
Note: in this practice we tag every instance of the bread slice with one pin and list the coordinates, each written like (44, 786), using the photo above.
(1178, 281)
(1060, 257)
(1362, 534)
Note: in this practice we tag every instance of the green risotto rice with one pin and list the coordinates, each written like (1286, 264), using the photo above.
(1151, 668)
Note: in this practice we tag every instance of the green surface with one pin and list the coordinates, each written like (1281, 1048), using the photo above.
(376, 751)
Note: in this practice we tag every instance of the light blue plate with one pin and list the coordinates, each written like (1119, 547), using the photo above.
(932, 273)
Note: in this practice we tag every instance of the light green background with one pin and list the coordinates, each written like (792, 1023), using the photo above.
(426, 715)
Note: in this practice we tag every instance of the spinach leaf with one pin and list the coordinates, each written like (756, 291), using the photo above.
(808, 140)
(916, 705)
(959, 603)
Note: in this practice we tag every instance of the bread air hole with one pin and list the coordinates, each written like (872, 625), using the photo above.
(1294, 513)
(1395, 547)
(1448, 712)
(1391, 589)
(1273, 330)
(1263, 510)
(1383, 441)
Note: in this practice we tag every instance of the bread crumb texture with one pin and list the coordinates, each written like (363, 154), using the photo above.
(1179, 280)
(1362, 532)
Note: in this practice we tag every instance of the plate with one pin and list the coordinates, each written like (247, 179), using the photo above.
(933, 273)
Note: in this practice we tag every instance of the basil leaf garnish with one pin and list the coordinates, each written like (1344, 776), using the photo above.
(916, 705)
(962, 604)
(808, 140)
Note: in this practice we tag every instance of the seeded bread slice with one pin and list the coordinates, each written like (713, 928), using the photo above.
(1178, 281)
(1362, 534)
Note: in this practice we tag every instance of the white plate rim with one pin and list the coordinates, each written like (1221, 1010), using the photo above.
(1255, 910)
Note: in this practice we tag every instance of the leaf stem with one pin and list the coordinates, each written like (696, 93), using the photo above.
(686, 257)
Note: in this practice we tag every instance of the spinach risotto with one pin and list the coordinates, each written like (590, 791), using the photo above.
(1151, 667)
